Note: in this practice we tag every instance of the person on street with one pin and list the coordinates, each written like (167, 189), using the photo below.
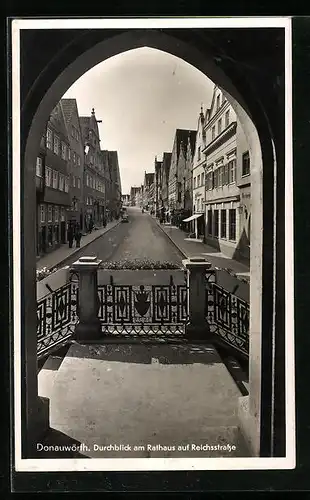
(78, 236)
(91, 225)
(70, 234)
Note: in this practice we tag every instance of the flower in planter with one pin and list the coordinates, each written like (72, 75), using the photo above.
(138, 264)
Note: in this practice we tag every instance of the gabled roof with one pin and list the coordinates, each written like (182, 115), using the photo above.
(57, 120)
(149, 178)
(192, 140)
(167, 163)
(181, 137)
(69, 106)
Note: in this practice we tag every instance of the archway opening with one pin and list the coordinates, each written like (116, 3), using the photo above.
(258, 135)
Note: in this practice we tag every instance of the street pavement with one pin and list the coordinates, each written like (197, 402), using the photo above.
(143, 237)
(139, 238)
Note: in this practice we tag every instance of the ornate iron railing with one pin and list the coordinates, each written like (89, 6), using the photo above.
(56, 316)
(228, 317)
(151, 310)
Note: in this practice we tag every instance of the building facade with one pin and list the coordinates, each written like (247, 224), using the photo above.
(134, 195)
(176, 190)
(148, 190)
(53, 178)
(75, 159)
(94, 173)
(222, 193)
(198, 180)
(158, 186)
(115, 193)
(125, 200)
(165, 184)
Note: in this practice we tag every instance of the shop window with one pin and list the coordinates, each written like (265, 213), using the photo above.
(49, 213)
(216, 223)
(66, 184)
(232, 224)
(210, 222)
(223, 223)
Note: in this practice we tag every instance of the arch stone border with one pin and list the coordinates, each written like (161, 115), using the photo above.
(36, 107)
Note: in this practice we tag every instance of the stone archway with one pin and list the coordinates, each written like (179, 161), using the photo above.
(83, 51)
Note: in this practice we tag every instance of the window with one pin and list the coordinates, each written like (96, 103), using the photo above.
(223, 223)
(56, 214)
(73, 180)
(199, 153)
(79, 183)
(209, 222)
(61, 182)
(225, 174)
(232, 224)
(219, 126)
(74, 157)
(216, 223)
(216, 178)
(202, 178)
(245, 163)
(220, 175)
(49, 214)
(49, 139)
(55, 179)
(209, 181)
(69, 154)
(48, 176)
(66, 184)
(62, 211)
(227, 118)
(218, 103)
(39, 167)
(63, 151)
(231, 171)
(213, 132)
(42, 213)
(198, 180)
(78, 159)
(56, 144)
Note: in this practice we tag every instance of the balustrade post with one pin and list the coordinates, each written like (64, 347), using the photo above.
(197, 327)
(88, 328)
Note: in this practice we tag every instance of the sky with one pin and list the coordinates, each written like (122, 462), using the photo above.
(142, 96)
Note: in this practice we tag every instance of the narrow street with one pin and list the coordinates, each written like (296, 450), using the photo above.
(141, 238)
(137, 239)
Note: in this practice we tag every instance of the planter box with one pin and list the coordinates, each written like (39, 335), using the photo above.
(141, 277)
(54, 280)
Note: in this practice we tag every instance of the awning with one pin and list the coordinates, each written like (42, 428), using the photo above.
(192, 217)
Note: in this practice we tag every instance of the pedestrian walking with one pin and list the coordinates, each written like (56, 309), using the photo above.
(78, 236)
(91, 225)
(70, 234)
